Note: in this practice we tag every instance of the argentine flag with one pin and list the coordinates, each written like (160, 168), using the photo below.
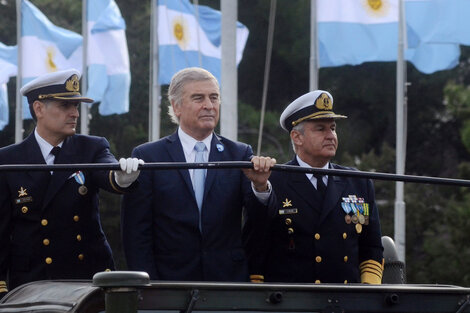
(45, 47)
(109, 75)
(8, 68)
(183, 42)
(354, 32)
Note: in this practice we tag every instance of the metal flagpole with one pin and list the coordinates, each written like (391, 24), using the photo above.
(154, 92)
(400, 218)
(229, 83)
(267, 65)
(84, 109)
(313, 46)
(19, 98)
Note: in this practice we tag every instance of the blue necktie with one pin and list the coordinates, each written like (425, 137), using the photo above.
(199, 177)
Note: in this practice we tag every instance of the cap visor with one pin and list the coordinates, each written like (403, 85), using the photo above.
(75, 98)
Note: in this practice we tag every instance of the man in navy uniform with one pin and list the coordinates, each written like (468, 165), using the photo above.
(186, 224)
(322, 229)
(50, 225)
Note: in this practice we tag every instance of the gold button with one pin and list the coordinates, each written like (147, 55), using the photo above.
(318, 259)
(45, 242)
(24, 209)
(79, 237)
(346, 259)
(317, 281)
(76, 218)
(48, 260)
(288, 221)
(345, 235)
(107, 270)
(44, 222)
(81, 256)
(346, 281)
(290, 231)
(317, 236)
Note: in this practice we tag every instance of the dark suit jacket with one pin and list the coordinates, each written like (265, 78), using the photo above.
(308, 241)
(160, 219)
(51, 221)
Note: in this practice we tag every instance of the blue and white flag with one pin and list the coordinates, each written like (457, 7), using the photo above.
(4, 112)
(109, 75)
(45, 47)
(185, 42)
(8, 68)
(353, 32)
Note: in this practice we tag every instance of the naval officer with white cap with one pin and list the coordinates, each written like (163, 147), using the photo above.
(50, 226)
(322, 229)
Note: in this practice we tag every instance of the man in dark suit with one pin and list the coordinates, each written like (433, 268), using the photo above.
(186, 224)
(50, 226)
(322, 229)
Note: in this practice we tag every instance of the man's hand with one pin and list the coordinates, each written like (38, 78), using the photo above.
(260, 173)
(129, 171)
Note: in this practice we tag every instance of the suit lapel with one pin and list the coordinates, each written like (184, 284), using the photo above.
(334, 190)
(303, 187)
(175, 150)
(67, 155)
(214, 156)
(33, 155)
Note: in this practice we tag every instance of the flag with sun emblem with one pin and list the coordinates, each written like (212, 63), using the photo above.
(354, 32)
(109, 76)
(188, 39)
(45, 47)
(8, 68)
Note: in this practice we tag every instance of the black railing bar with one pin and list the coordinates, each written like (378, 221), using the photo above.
(239, 164)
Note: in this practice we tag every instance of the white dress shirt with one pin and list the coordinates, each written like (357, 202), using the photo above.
(310, 176)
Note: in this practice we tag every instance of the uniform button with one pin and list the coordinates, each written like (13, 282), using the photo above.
(345, 235)
(45, 242)
(288, 221)
(48, 260)
(24, 210)
(44, 222)
(290, 231)
(76, 218)
(345, 258)
(317, 236)
(318, 259)
(107, 270)
(317, 281)
(81, 256)
(346, 281)
(79, 237)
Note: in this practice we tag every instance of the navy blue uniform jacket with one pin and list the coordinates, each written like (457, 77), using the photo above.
(48, 230)
(307, 241)
(160, 219)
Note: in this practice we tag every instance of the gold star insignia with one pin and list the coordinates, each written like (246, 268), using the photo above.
(22, 192)
(286, 203)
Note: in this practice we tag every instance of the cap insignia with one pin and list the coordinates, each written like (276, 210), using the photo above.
(72, 84)
(323, 102)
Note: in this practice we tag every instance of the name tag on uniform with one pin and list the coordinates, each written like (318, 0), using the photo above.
(288, 211)
(24, 200)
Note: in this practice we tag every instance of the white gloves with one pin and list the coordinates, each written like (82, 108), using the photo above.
(129, 172)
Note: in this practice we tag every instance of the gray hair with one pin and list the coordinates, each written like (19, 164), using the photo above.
(300, 128)
(179, 80)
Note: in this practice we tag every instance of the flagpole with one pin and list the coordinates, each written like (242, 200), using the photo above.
(229, 84)
(400, 209)
(267, 65)
(84, 110)
(313, 46)
(19, 98)
(154, 92)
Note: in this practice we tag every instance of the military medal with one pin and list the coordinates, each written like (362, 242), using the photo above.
(80, 178)
(347, 219)
(354, 219)
(346, 209)
(361, 219)
(358, 228)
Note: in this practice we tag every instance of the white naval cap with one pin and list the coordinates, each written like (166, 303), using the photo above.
(60, 85)
(316, 104)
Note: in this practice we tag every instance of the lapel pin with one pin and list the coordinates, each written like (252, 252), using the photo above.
(220, 147)
(22, 192)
